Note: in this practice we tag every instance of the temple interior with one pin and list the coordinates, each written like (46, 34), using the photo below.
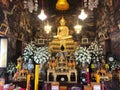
(59, 45)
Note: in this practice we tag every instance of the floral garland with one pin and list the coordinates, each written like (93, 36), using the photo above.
(82, 55)
(29, 51)
(42, 55)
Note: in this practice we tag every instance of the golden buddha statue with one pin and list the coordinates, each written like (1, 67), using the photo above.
(62, 30)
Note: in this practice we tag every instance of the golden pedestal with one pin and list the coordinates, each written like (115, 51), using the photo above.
(61, 47)
(65, 45)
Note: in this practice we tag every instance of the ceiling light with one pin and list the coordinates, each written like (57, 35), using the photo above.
(62, 5)
(78, 28)
(82, 15)
(42, 15)
(47, 28)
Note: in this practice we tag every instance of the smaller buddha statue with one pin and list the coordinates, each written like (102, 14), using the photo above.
(62, 30)
(19, 63)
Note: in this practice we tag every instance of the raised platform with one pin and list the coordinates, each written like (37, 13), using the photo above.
(61, 85)
(63, 76)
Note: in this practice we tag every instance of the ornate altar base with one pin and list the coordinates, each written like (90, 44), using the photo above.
(70, 76)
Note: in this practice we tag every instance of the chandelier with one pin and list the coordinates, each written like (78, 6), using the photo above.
(47, 28)
(82, 15)
(42, 16)
(62, 5)
(78, 28)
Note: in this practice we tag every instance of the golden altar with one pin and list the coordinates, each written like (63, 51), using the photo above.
(62, 48)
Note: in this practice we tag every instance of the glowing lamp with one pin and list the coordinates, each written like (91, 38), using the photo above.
(47, 28)
(62, 5)
(83, 15)
(78, 28)
(42, 15)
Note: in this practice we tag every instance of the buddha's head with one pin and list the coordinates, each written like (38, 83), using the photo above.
(62, 21)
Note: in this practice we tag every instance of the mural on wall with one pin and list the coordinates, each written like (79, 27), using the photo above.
(115, 45)
(115, 35)
(108, 19)
(12, 15)
(11, 49)
(1, 15)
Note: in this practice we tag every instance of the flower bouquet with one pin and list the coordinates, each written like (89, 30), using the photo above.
(82, 55)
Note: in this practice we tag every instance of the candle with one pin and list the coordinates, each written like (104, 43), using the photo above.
(28, 82)
(98, 78)
(36, 76)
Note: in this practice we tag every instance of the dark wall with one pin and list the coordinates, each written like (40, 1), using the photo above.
(115, 43)
(108, 18)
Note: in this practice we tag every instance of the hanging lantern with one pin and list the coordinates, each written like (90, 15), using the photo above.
(62, 5)
(78, 28)
(82, 15)
(47, 28)
(42, 16)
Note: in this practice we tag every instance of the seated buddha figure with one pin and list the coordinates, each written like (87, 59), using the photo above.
(62, 30)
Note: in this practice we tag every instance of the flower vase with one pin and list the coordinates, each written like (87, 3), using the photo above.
(30, 66)
(83, 65)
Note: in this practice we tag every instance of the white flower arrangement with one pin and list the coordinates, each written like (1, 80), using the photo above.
(38, 54)
(42, 55)
(82, 55)
(11, 67)
(29, 51)
(115, 65)
(96, 50)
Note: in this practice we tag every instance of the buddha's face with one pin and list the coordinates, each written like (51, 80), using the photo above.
(62, 23)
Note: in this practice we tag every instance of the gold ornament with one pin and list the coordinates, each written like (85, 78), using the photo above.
(62, 5)
(106, 66)
(92, 66)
